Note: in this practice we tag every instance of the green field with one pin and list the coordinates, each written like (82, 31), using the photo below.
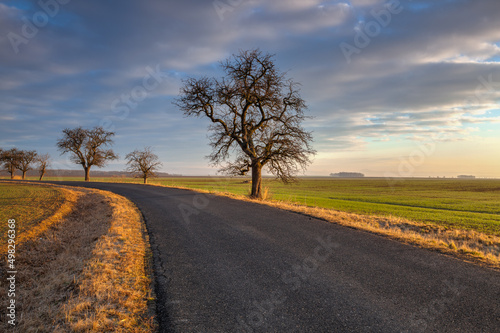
(464, 204)
(27, 204)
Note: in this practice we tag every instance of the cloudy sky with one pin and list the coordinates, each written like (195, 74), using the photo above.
(395, 88)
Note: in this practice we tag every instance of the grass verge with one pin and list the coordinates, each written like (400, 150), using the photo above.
(114, 289)
(84, 270)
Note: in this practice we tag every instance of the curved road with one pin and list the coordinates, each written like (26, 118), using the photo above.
(224, 265)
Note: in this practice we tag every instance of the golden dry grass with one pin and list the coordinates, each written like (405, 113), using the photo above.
(70, 199)
(464, 244)
(84, 269)
(114, 289)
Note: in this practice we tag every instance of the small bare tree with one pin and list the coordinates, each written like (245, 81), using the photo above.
(86, 147)
(256, 116)
(10, 160)
(25, 161)
(143, 163)
(43, 164)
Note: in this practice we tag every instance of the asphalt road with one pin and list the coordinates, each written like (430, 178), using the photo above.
(224, 265)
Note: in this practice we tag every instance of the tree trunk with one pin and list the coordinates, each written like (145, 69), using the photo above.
(256, 181)
(24, 175)
(145, 180)
(42, 173)
(87, 173)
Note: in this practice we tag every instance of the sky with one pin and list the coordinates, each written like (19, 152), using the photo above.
(404, 88)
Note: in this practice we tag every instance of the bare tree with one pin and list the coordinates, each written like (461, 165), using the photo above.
(144, 163)
(10, 160)
(86, 147)
(43, 163)
(25, 161)
(256, 116)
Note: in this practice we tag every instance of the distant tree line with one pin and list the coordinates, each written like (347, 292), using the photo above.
(347, 175)
(23, 160)
(88, 147)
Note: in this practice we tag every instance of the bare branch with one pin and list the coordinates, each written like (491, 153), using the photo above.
(143, 164)
(256, 116)
(86, 147)
(43, 162)
(10, 160)
(25, 159)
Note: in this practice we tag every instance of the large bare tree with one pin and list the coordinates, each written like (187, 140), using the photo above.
(143, 163)
(10, 160)
(87, 147)
(256, 115)
(43, 163)
(25, 161)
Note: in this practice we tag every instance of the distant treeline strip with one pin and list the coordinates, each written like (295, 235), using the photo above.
(80, 173)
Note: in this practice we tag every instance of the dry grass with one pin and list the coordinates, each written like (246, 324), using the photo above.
(84, 269)
(70, 199)
(265, 193)
(465, 244)
(114, 288)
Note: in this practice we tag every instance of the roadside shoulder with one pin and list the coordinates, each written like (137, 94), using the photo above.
(85, 268)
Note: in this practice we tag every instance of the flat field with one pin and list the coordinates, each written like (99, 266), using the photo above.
(27, 204)
(455, 203)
